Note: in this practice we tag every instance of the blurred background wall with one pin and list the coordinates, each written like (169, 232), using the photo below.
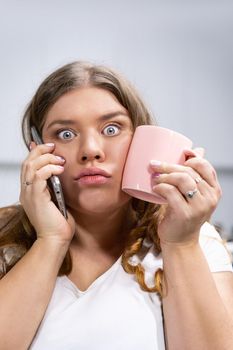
(179, 54)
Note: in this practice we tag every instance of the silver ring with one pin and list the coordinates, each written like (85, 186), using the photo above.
(190, 194)
(27, 183)
(198, 179)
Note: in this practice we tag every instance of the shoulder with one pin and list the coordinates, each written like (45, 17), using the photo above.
(209, 231)
(214, 249)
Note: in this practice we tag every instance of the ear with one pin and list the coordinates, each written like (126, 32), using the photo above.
(32, 145)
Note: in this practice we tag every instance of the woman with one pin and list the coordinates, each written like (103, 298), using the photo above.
(120, 261)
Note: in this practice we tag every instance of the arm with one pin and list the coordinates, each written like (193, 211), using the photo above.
(195, 306)
(25, 293)
(196, 310)
(26, 289)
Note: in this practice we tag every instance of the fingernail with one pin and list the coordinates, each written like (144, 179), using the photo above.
(155, 162)
(50, 144)
(60, 158)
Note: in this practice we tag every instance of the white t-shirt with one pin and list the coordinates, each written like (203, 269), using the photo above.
(114, 313)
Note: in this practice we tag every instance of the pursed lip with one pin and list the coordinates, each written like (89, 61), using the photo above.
(91, 172)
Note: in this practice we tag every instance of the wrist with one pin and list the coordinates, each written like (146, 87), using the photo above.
(53, 245)
(179, 247)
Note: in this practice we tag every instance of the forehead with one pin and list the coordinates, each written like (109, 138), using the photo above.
(90, 101)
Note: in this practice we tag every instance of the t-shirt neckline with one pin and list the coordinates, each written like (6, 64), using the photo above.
(66, 281)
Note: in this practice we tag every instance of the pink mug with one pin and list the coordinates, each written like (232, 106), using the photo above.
(151, 142)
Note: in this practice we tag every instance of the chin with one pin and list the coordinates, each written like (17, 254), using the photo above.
(97, 203)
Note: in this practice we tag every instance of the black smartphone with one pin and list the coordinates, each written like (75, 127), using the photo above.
(53, 182)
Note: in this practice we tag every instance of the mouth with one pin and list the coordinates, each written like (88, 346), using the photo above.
(92, 176)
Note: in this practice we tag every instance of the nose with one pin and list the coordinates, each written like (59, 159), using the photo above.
(91, 148)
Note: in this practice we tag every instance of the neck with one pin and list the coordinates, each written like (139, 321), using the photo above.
(103, 233)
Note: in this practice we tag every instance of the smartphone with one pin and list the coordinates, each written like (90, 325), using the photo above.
(53, 182)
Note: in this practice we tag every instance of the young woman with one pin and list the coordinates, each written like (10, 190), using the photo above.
(120, 273)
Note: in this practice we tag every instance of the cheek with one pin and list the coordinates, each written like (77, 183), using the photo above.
(119, 155)
(62, 151)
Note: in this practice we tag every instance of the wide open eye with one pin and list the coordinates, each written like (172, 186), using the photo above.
(66, 134)
(111, 130)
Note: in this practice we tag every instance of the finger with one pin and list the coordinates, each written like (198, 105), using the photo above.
(182, 181)
(37, 191)
(197, 207)
(47, 171)
(205, 170)
(45, 159)
(186, 185)
(196, 152)
(206, 186)
(36, 151)
(166, 168)
(172, 195)
(43, 174)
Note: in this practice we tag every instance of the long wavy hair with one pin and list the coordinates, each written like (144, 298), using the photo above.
(16, 232)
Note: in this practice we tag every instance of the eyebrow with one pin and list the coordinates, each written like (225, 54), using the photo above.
(103, 117)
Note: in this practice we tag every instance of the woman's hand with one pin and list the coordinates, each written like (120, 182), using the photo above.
(35, 197)
(192, 192)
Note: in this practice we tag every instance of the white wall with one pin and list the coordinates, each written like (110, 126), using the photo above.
(179, 54)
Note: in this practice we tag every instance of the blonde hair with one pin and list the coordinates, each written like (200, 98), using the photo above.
(16, 232)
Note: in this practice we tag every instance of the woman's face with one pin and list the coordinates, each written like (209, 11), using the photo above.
(93, 132)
